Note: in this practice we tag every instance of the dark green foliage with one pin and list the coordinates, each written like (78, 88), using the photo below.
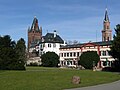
(115, 48)
(21, 52)
(11, 54)
(89, 59)
(50, 59)
(6, 52)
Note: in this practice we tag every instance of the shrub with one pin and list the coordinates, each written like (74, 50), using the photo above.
(89, 59)
(50, 59)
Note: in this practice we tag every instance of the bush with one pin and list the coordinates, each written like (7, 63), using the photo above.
(89, 59)
(50, 59)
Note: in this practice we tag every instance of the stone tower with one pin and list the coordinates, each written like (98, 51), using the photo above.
(34, 33)
(106, 32)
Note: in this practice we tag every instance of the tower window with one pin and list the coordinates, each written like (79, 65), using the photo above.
(108, 38)
(104, 39)
(107, 27)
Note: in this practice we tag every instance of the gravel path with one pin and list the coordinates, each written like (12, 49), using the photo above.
(110, 86)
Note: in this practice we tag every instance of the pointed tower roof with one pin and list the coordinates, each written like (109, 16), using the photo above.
(35, 24)
(106, 19)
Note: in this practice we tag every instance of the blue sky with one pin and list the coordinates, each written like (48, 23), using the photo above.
(73, 19)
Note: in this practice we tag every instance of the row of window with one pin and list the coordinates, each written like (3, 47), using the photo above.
(95, 47)
(49, 45)
(104, 53)
(68, 63)
(77, 54)
(70, 54)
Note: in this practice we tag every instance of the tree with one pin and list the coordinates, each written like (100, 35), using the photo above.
(87, 59)
(21, 53)
(11, 54)
(6, 52)
(50, 59)
(115, 48)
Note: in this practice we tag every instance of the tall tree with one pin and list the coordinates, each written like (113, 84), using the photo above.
(12, 55)
(115, 48)
(7, 52)
(21, 53)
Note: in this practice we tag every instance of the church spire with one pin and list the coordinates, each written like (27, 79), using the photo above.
(106, 32)
(106, 19)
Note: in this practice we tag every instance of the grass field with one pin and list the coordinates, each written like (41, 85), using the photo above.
(39, 78)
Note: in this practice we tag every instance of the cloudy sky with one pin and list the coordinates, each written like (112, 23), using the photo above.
(80, 20)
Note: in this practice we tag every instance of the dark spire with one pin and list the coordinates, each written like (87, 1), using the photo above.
(35, 24)
(106, 19)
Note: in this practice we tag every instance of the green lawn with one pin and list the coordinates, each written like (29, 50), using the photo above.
(39, 78)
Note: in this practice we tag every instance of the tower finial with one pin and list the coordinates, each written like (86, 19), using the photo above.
(34, 16)
(106, 8)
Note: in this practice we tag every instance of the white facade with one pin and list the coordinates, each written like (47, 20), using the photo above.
(51, 42)
(70, 55)
(49, 47)
(105, 58)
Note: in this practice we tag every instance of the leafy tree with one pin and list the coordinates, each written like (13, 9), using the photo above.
(87, 59)
(50, 59)
(21, 53)
(115, 48)
(6, 51)
(9, 56)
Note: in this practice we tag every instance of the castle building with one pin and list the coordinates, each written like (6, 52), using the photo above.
(69, 54)
(34, 35)
(51, 42)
